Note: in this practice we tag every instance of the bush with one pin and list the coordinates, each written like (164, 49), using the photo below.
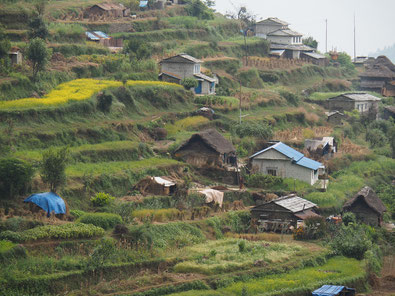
(349, 218)
(103, 220)
(189, 83)
(15, 176)
(101, 199)
(9, 251)
(290, 97)
(351, 241)
(251, 79)
(19, 224)
(65, 231)
(253, 129)
(77, 213)
(104, 101)
(263, 181)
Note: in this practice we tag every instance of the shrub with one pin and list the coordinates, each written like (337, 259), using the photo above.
(103, 220)
(263, 181)
(253, 129)
(15, 176)
(351, 241)
(104, 101)
(101, 199)
(348, 218)
(9, 251)
(251, 79)
(77, 213)
(19, 224)
(242, 246)
(189, 83)
(65, 231)
(290, 97)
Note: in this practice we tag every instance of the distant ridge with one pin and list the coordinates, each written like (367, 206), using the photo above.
(388, 51)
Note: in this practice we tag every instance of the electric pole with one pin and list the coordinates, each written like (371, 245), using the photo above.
(326, 35)
(355, 48)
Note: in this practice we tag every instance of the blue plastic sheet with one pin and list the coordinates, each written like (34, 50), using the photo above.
(49, 202)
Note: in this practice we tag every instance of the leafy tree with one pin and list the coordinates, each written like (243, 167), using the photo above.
(15, 176)
(189, 83)
(53, 167)
(210, 3)
(38, 28)
(5, 43)
(310, 41)
(198, 9)
(376, 138)
(345, 61)
(137, 50)
(38, 55)
(349, 217)
(104, 102)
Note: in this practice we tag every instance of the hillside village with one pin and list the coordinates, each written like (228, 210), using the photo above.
(163, 148)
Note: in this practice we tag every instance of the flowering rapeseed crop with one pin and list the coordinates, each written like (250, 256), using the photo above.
(75, 90)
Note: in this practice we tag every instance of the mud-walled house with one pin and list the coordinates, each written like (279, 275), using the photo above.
(207, 149)
(289, 209)
(366, 206)
(108, 10)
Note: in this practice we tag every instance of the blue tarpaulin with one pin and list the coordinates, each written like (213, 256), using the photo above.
(48, 201)
(329, 290)
(143, 3)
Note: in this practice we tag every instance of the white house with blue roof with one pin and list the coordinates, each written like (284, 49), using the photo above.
(283, 161)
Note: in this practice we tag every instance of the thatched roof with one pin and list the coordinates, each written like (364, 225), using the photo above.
(213, 139)
(381, 67)
(370, 198)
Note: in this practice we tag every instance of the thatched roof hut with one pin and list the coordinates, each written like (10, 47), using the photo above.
(366, 206)
(379, 72)
(207, 148)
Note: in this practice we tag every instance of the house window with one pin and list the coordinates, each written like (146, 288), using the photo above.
(196, 69)
(272, 171)
(366, 106)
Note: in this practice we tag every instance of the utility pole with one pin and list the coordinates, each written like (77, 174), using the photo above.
(326, 35)
(240, 102)
(355, 42)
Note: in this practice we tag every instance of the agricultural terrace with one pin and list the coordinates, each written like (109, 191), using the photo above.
(75, 90)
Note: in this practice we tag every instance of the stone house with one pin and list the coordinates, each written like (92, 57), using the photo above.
(290, 208)
(283, 161)
(335, 117)
(285, 36)
(271, 24)
(379, 76)
(207, 149)
(108, 10)
(315, 58)
(179, 67)
(366, 206)
(363, 102)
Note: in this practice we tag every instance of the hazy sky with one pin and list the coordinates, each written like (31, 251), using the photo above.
(375, 20)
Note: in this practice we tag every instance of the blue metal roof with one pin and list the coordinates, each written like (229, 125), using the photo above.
(297, 157)
(91, 36)
(328, 290)
(101, 34)
(143, 3)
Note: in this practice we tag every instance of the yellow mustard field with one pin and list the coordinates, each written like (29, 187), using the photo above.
(75, 90)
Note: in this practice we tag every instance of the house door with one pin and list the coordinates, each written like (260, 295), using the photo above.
(198, 89)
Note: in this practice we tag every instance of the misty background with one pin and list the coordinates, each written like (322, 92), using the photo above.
(375, 21)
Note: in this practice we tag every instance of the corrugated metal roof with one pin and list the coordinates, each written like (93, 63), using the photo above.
(205, 77)
(291, 47)
(143, 3)
(101, 34)
(315, 55)
(357, 97)
(294, 203)
(91, 36)
(284, 32)
(295, 156)
(328, 290)
(274, 19)
(185, 56)
(278, 52)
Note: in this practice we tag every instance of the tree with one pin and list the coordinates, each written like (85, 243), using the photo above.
(198, 9)
(15, 177)
(310, 41)
(38, 28)
(53, 167)
(38, 55)
(189, 83)
(104, 102)
(137, 50)
(345, 61)
(5, 43)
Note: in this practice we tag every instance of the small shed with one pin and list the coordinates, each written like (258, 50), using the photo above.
(207, 149)
(15, 55)
(156, 186)
(290, 208)
(48, 201)
(335, 117)
(111, 10)
(315, 58)
(366, 206)
(329, 290)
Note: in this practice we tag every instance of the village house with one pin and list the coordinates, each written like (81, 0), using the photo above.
(366, 206)
(335, 117)
(284, 42)
(315, 58)
(103, 39)
(207, 149)
(379, 76)
(15, 56)
(363, 102)
(283, 161)
(108, 10)
(179, 67)
(290, 209)
(325, 145)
